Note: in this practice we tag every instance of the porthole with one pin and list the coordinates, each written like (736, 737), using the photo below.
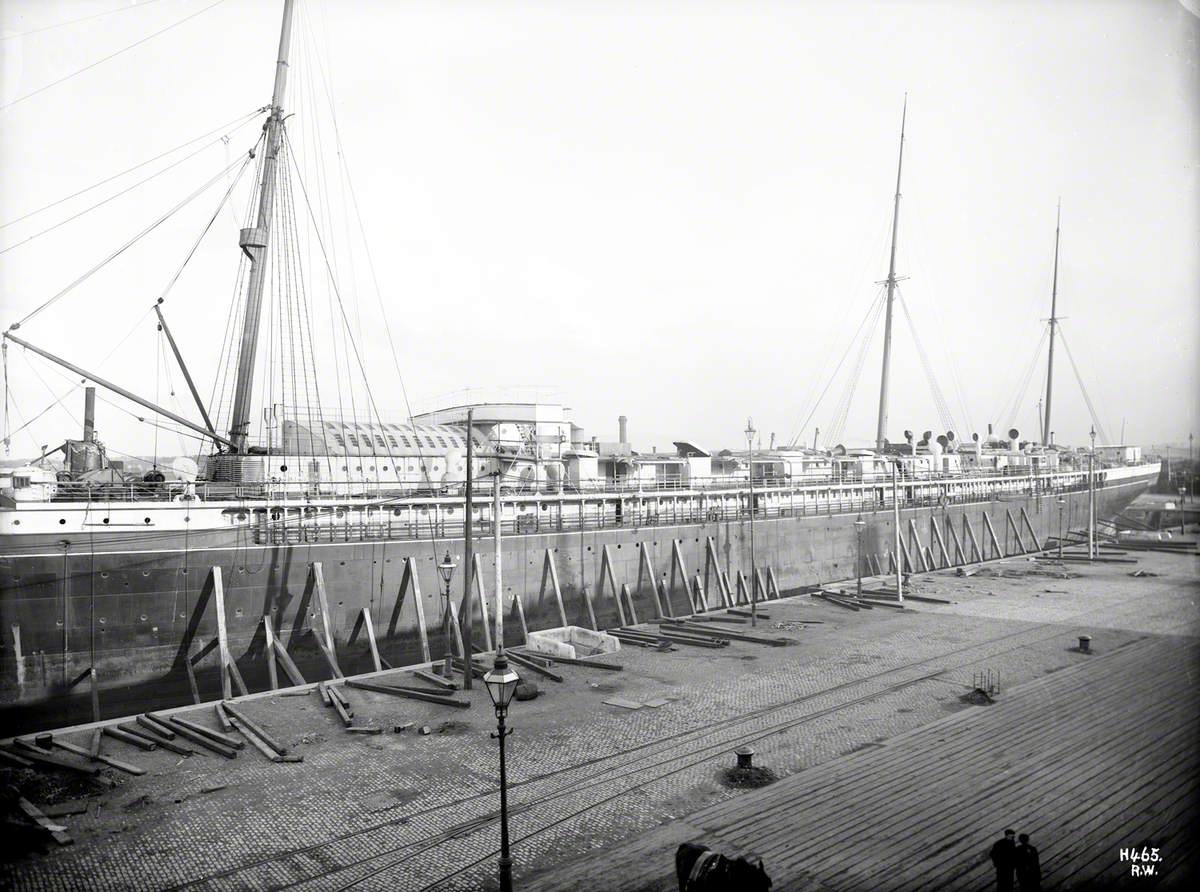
(241, 515)
(62, 520)
(385, 467)
(146, 520)
(16, 523)
(283, 467)
(104, 574)
(397, 511)
(105, 520)
(144, 617)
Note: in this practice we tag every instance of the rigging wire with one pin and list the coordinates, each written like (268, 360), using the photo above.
(872, 310)
(86, 18)
(92, 65)
(1083, 389)
(112, 197)
(939, 398)
(1013, 406)
(842, 412)
(123, 248)
(226, 130)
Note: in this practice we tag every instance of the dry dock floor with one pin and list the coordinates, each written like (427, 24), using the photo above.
(887, 777)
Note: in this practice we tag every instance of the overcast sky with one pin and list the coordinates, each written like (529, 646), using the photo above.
(674, 211)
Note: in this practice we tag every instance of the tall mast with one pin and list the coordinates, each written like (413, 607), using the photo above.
(1053, 325)
(253, 242)
(881, 426)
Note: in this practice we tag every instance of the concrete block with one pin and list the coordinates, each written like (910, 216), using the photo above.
(571, 642)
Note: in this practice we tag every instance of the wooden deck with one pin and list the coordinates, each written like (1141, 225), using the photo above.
(1087, 760)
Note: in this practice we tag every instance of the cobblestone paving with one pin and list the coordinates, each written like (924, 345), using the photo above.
(402, 811)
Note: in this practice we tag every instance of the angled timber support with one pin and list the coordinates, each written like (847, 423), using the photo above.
(625, 593)
(914, 538)
(908, 562)
(485, 611)
(550, 574)
(773, 584)
(276, 650)
(987, 524)
(607, 576)
(1033, 536)
(960, 556)
(937, 537)
(1011, 524)
(229, 670)
(326, 639)
(410, 581)
(712, 562)
(762, 589)
(646, 566)
(700, 594)
(970, 530)
(678, 565)
(743, 592)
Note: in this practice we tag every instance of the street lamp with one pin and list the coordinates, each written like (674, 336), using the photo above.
(1061, 503)
(446, 571)
(750, 432)
(859, 526)
(1182, 515)
(501, 683)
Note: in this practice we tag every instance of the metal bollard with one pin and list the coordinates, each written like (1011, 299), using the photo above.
(745, 756)
(1085, 644)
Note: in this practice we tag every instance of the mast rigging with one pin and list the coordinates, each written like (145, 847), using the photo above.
(1053, 324)
(253, 241)
(881, 425)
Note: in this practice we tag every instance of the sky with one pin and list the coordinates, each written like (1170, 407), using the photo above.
(675, 211)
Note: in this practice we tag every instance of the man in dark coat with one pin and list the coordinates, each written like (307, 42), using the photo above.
(1029, 868)
(1004, 857)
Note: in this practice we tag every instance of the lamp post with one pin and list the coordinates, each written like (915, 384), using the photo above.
(1182, 515)
(753, 566)
(446, 571)
(859, 526)
(1092, 497)
(501, 683)
(1061, 504)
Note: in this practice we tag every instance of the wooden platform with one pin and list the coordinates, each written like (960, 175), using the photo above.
(1088, 760)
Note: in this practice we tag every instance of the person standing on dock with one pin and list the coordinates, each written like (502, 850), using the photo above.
(1029, 868)
(1004, 857)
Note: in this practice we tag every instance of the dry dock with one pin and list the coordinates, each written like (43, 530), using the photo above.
(887, 777)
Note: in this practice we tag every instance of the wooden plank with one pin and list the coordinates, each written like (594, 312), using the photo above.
(257, 742)
(457, 630)
(370, 629)
(915, 537)
(222, 719)
(606, 573)
(960, 556)
(937, 536)
(677, 563)
(117, 733)
(222, 638)
(773, 583)
(762, 588)
(1011, 524)
(57, 832)
(534, 667)
(629, 602)
(713, 562)
(269, 652)
(217, 736)
(975, 550)
(743, 592)
(280, 651)
(326, 639)
(485, 610)
(419, 603)
(550, 574)
(147, 732)
(987, 523)
(99, 757)
(647, 566)
(31, 753)
(236, 712)
(436, 679)
(409, 694)
(1033, 536)
(200, 739)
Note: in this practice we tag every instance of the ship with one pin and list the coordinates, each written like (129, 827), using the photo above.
(327, 539)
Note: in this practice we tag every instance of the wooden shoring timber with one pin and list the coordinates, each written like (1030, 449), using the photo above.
(700, 594)
(1029, 526)
(762, 588)
(550, 573)
(189, 665)
(520, 607)
(987, 524)
(645, 565)
(915, 537)
(773, 583)
(485, 612)
(743, 591)
(678, 564)
(456, 628)
(909, 566)
(56, 831)
(327, 642)
(975, 550)
(363, 623)
(276, 650)
(1011, 524)
(410, 580)
(98, 757)
(711, 560)
(928, 558)
(960, 556)
(629, 602)
(607, 575)
(229, 670)
(937, 537)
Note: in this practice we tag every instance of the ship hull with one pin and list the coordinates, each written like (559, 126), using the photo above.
(136, 615)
